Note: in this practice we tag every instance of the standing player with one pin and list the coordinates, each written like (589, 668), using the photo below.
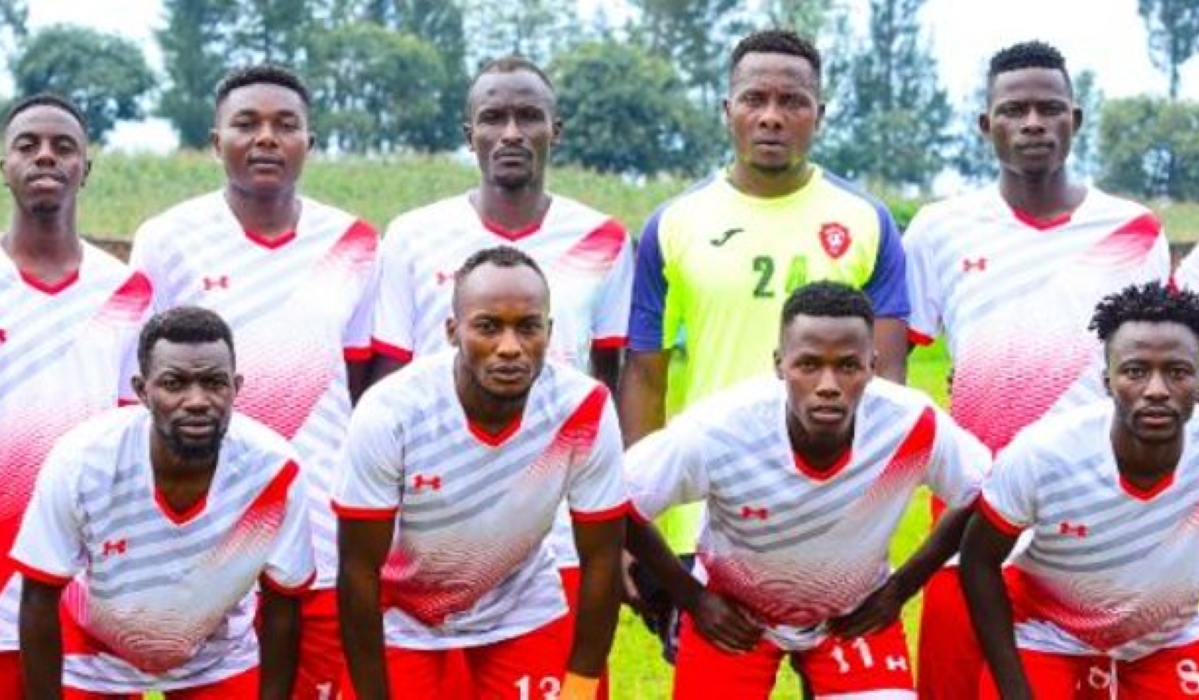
(156, 522)
(457, 467)
(69, 315)
(587, 256)
(1010, 274)
(295, 279)
(716, 263)
(805, 477)
(1110, 493)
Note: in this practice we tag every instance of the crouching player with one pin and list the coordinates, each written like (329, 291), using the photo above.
(805, 477)
(457, 467)
(151, 525)
(1111, 495)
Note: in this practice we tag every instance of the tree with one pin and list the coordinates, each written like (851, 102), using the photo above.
(14, 15)
(973, 157)
(1150, 147)
(535, 29)
(1173, 28)
(1089, 98)
(193, 50)
(440, 24)
(105, 75)
(626, 111)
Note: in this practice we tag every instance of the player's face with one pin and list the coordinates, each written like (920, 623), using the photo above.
(1151, 376)
(1031, 120)
(45, 159)
(501, 327)
(511, 129)
(773, 111)
(189, 390)
(826, 363)
(261, 135)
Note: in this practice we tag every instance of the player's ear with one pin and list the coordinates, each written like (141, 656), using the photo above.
(451, 331)
(87, 170)
(238, 380)
(139, 388)
(1107, 380)
(557, 132)
(468, 132)
(778, 363)
(214, 141)
(984, 124)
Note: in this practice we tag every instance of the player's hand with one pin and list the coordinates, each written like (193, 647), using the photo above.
(631, 594)
(880, 609)
(725, 624)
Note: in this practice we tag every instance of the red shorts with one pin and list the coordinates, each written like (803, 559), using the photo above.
(524, 667)
(875, 665)
(948, 657)
(11, 685)
(1167, 674)
(243, 685)
(321, 666)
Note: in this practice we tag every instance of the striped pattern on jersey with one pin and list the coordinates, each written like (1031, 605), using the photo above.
(469, 564)
(299, 307)
(1014, 300)
(163, 599)
(586, 257)
(792, 545)
(1110, 569)
(65, 355)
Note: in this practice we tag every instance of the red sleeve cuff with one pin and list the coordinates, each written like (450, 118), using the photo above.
(600, 516)
(352, 513)
(290, 591)
(36, 574)
(358, 354)
(395, 352)
(998, 521)
(915, 337)
(637, 516)
(613, 343)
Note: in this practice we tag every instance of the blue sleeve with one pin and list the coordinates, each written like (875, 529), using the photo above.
(887, 287)
(649, 291)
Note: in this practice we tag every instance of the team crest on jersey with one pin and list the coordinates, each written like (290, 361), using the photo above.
(835, 239)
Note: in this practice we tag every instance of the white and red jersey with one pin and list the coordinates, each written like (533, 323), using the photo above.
(1110, 568)
(793, 545)
(300, 307)
(164, 599)
(1187, 273)
(66, 353)
(587, 259)
(1014, 297)
(470, 564)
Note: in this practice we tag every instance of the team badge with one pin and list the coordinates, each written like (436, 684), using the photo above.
(835, 240)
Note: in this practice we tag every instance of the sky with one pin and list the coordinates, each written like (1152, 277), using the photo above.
(1106, 36)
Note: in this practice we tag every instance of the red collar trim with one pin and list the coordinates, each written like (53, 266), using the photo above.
(45, 288)
(1146, 494)
(822, 475)
(1041, 224)
(180, 517)
(509, 234)
(272, 242)
(494, 439)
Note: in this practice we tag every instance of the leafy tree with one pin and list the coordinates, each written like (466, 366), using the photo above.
(807, 17)
(14, 15)
(105, 75)
(973, 157)
(535, 29)
(626, 111)
(1089, 97)
(1150, 147)
(441, 25)
(1173, 28)
(194, 54)
(891, 122)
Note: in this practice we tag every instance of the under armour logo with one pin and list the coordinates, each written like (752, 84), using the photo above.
(748, 512)
(1065, 528)
(420, 480)
(443, 277)
(896, 663)
(211, 283)
(979, 264)
(113, 547)
(724, 237)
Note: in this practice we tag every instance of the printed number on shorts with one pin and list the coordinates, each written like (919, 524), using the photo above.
(548, 686)
(860, 655)
(1188, 677)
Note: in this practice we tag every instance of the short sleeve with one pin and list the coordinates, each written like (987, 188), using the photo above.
(145, 257)
(610, 321)
(666, 468)
(647, 314)
(356, 338)
(958, 464)
(596, 490)
(291, 567)
(1009, 491)
(369, 488)
(924, 285)
(393, 333)
(49, 546)
(887, 287)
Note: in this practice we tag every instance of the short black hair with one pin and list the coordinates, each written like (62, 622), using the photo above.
(45, 99)
(830, 300)
(784, 41)
(510, 64)
(500, 256)
(268, 73)
(182, 324)
(1152, 302)
(1027, 54)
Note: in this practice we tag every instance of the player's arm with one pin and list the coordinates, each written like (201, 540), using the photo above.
(599, 547)
(380, 366)
(984, 549)
(605, 366)
(882, 607)
(358, 377)
(641, 395)
(362, 547)
(279, 642)
(891, 344)
(41, 638)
